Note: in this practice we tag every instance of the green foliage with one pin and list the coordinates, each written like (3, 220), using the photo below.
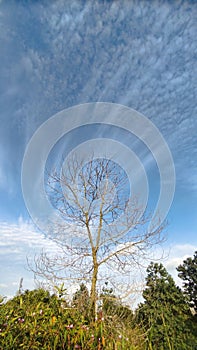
(1, 299)
(61, 290)
(112, 307)
(37, 320)
(188, 273)
(164, 314)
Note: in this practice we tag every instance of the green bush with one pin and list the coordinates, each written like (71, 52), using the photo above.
(37, 320)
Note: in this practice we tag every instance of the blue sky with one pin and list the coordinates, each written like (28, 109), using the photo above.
(57, 54)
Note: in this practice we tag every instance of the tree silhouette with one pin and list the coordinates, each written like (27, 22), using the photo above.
(105, 230)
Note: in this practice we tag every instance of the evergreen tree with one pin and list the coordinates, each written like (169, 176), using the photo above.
(165, 314)
(188, 273)
(81, 300)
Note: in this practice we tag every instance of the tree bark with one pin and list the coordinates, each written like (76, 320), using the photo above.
(93, 293)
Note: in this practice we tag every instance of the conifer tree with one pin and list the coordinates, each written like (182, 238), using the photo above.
(188, 273)
(165, 314)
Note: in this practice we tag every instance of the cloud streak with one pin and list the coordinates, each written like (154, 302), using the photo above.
(141, 55)
(54, 56)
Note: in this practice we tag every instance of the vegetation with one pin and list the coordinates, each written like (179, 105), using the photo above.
(188, 273)
(165, 314)
(38, 320)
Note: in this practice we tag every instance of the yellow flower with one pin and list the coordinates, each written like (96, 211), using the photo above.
(53, 319)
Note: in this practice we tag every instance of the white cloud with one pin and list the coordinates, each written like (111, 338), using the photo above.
(22, 236)
(17, 242)
(178, 253)
(100, 52)
(136, 53)
(125, 249)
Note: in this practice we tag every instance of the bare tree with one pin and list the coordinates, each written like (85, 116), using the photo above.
(105, 231)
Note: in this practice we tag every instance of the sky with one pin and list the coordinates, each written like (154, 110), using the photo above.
(58, 54)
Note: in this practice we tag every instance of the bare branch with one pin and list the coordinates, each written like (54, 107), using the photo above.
(109, 227)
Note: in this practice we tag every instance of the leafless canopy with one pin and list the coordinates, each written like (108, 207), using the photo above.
(105, 231)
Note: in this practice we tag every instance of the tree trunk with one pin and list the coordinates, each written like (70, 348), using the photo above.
(93, 294)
